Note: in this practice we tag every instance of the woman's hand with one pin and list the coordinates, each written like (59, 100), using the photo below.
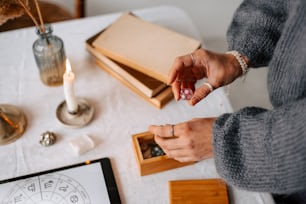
(219, 69)
(192, 140)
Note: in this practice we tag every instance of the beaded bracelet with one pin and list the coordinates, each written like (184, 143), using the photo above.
(241, 61)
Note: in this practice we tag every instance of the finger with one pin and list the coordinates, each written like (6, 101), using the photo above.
(177, 153)
(180, 63)
(209, 86)
(183, 159)
(168, 144)
(184, 84)
(181, 155)
(177, 65)
(199, 94)
(176, 87)
(193, 59)
(166, 131)
(190, 85)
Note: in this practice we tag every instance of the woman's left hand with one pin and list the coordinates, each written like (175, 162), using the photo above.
(187, 141)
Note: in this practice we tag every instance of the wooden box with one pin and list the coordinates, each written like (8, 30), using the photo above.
(205, 191)
(147, 163)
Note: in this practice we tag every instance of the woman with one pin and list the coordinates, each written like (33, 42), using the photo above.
(254, 148)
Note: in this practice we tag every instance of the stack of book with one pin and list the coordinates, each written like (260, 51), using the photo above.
(140, 54)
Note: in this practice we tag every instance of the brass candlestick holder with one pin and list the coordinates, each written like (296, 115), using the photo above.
(80, 118)
(12, 123)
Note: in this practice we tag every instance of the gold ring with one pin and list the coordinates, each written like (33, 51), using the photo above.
(211, 88)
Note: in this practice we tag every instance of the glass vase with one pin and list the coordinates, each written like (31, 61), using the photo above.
(50, 57)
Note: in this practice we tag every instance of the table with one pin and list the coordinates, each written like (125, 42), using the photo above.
(119, 113)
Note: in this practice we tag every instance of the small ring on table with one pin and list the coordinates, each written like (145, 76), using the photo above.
(193, 59)
(211, 88)
(172, 131)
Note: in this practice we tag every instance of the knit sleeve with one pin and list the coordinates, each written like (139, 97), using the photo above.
(256, 28)
(263, 150)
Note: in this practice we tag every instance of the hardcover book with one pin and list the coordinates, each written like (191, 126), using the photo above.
(144, 46)
(153, 91)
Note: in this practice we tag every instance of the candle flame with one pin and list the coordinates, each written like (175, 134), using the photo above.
(68, 66)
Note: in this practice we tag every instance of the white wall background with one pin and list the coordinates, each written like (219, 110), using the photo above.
(210, 16)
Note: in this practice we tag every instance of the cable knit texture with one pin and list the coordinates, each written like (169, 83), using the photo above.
(255, 148)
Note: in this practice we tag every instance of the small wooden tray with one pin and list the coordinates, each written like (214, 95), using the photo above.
(207, 191)
(149, 165)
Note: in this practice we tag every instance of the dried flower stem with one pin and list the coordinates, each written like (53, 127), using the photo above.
(40, 16)
(40, 27)
(7, 120)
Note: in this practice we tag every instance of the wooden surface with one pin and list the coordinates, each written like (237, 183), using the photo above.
(209, 191)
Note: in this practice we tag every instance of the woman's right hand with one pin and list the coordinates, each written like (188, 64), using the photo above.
(220, 69)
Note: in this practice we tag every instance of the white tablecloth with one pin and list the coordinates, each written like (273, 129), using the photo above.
(119, 113)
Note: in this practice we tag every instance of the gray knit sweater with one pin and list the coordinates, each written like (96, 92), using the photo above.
(258, 149)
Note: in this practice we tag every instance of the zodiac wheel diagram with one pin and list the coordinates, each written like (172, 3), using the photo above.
(47, 189)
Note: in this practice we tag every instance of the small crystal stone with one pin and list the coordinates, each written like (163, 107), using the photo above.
(156, 150)
(47, 138)
(186, 93)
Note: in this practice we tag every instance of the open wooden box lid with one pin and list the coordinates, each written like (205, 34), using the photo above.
(206, 191)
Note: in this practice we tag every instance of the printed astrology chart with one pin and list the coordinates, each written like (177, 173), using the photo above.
(79, 185)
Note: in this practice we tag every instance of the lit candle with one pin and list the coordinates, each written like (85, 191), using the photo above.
(71, 100)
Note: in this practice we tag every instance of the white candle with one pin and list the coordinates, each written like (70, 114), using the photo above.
(70, 98)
